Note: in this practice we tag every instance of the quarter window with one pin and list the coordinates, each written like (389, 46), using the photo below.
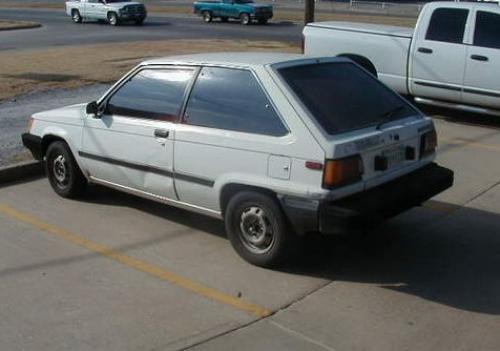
(447, 25)
(487, 32)
(232, 99)
(152, 94)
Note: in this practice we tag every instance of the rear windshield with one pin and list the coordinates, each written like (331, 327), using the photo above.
(342, 97)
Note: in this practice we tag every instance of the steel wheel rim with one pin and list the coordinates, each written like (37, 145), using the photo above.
(256, 231)
(245, 19)
(206, 17)
(60, 171)
(112, 19)
(76, 17)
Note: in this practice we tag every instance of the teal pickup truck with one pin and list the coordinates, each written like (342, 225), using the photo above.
(244, 10)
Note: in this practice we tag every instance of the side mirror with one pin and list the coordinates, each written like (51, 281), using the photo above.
(93, 109)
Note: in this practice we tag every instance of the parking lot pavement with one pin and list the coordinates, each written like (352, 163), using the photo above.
(115, 272)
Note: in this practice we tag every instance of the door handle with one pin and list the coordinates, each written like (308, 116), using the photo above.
(161, 133)
(425, 50)
(479, 58)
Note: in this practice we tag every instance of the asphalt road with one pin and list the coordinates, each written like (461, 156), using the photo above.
(58, 30)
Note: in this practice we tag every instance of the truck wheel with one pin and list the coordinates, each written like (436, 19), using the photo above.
(63, 172)
(258, 230)
(207, 16)
(224, 19)
(262, 21)
(245, 19)
(112, 18)
(75, 15)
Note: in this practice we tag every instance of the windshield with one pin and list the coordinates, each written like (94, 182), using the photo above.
(342, 97)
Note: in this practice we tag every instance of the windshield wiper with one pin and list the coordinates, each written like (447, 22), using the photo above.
(386, 117)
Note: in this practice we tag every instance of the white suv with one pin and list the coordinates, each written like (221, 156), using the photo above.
(277, 145)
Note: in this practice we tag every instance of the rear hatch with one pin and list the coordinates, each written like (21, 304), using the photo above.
(360, 119)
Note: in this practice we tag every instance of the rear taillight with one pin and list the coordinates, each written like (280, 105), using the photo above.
(342, 171)
(428, 143)
(30, 124)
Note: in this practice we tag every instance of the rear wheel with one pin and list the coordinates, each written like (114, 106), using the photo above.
(258, 230)
(63, 172)
(207, 16)
(245, 19)
(112, 18)
(76, 17)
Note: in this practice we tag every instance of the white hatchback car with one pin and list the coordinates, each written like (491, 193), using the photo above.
(277, 145)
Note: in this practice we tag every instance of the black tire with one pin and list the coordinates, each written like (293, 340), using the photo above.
(139, 22)
(258, 229)
(76, 17)
(245, 19)
(113, 19)
(206, 16)
(263, 21)
(224, 19)
(63, 172)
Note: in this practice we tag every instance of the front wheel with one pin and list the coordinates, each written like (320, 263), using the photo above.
(245, 19)
(207, 16)
(76, 17)
(113, 19)
(63, 172)
(258, 230)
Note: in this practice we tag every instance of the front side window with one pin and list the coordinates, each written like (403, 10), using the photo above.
(232, 99)
(447, 25)
(487, 32)
(341, 97)
(152, 94)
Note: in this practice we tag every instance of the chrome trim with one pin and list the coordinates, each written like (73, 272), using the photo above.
(158, 198)
(462, 107)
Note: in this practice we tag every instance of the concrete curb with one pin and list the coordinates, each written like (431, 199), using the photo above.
(21, 171)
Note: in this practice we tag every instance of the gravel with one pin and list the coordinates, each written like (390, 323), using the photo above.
(14, 114)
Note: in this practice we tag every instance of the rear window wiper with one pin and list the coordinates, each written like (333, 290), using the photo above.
(387, 116)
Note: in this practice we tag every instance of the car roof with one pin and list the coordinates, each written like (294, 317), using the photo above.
(243, 59)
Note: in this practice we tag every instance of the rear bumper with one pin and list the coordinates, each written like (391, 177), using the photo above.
(373, 205)
(34, 144)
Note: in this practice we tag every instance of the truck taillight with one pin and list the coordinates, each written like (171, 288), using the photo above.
(342, 171)
(428, 143)
(30, 124)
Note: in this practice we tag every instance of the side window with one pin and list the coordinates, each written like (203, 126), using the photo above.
(152, 94)
(447, 25)
(232, 99)
(487, 32)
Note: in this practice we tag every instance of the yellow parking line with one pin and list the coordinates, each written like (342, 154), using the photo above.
(136, 264)
(469, 143)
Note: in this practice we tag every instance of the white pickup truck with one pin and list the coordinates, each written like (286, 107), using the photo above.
(113, 11)
(450, 59)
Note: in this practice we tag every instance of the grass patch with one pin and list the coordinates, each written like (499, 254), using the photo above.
(70, 67)
(10, 25)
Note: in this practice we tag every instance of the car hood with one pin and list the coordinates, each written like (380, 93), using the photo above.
(73, 114)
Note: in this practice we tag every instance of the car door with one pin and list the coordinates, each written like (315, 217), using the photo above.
(230, 130)
(224, 8)
(92, 9)
(438, 56)
(131, 144)
(482, 69)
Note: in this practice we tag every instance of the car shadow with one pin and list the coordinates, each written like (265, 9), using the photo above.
(146, 23)
(463, 117)
(452, 258)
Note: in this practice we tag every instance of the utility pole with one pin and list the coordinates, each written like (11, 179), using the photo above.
(309, 11)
